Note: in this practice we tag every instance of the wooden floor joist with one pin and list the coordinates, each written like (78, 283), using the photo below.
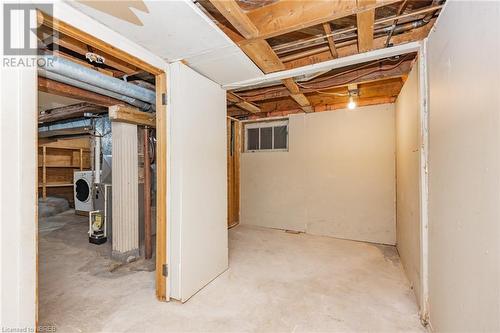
(259, 50)
(365, 30)
(61, 89)
(242, 103)
(69, 112)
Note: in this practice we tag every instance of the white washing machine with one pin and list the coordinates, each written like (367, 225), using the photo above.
(83, 190)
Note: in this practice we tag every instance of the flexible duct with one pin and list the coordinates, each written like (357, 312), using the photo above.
(72, 82)
(81, 73)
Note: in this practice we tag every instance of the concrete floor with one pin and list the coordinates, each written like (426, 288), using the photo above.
(277, 282)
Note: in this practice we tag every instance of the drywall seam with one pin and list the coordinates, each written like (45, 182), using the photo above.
(424, 182)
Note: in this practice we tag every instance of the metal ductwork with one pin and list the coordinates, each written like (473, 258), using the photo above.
(75, 83)
(71, 71)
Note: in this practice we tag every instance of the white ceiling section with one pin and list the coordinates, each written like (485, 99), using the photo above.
(178, 30)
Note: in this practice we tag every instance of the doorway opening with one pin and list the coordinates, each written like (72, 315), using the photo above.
(101, 174)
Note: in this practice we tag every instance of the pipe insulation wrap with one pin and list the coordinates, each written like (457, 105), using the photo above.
(81, 73)
(72, 82)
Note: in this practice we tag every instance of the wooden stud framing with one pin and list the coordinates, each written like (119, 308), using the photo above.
(81, 159)
(161, 188)
(44, 173)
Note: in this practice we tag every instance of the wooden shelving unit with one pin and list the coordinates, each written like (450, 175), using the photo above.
(57, 163)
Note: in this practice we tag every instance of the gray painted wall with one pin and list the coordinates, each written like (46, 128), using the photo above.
(464, 179)
(337, 179)
(408, 174)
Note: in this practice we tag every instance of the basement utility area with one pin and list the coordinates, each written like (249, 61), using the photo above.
(251, 166)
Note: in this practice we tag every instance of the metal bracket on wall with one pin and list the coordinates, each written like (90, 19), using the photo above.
(164, 98)
(164, 270)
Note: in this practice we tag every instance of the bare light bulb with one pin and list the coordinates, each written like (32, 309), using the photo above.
(351, 105)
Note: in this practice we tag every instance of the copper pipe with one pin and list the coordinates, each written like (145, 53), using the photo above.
(147, 197)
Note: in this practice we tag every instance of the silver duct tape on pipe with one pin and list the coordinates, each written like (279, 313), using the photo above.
(72, 82)
(81, 73)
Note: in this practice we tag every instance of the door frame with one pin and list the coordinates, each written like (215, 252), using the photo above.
(161, 276)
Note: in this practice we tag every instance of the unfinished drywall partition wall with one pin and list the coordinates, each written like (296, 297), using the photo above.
(336, 179)
(198, 230)
(408, 178)
(464, 174)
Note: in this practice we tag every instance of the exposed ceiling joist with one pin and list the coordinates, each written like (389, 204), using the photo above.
(259, 51)
(296, 95)
(234, 14)
(331, 42)
(286, 16)
(323, 54)
(61, 89)
(68, 30)
(365, 30)
(81, 48)
(70, 112)
(263, 56)
(241, 103)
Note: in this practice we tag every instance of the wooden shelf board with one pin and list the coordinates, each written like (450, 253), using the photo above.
(65, 148)
(56, 185)
(64, 166)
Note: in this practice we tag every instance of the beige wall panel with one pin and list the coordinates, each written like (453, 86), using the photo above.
(337, 178)
(272, 187)
(408, 175)
(464, 174)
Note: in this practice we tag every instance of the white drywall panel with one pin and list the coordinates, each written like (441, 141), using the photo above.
(64, 11)
(464, 168)
(198, 224)
(337, 179)
(18, 188)
(408, 175)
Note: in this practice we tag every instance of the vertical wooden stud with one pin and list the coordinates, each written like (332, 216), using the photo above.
(161, 187)
(44, 172)
(81, 159)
